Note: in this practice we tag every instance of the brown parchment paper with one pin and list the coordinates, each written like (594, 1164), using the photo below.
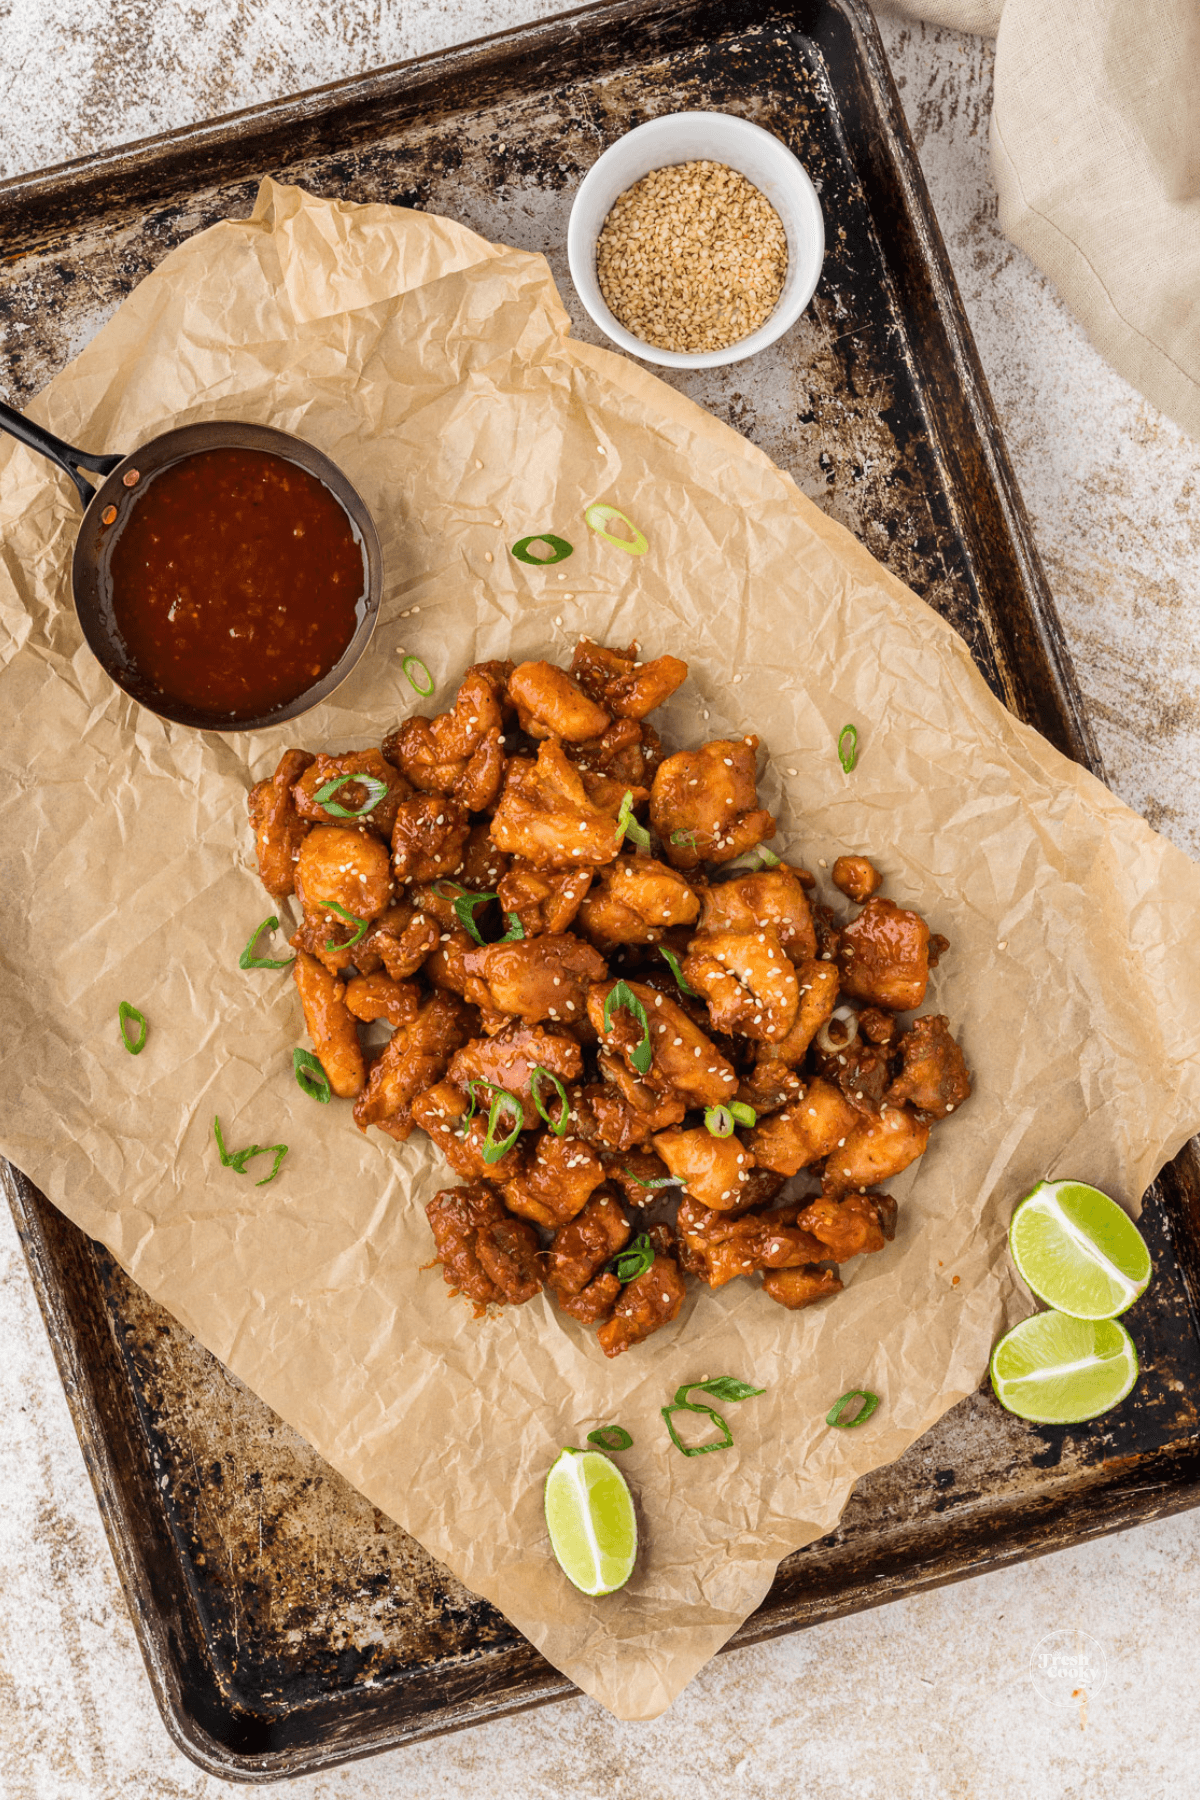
(437, 370)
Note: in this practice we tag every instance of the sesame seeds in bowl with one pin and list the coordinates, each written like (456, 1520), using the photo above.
(696, 240)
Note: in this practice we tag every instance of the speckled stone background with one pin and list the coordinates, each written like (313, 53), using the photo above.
(927, 1698)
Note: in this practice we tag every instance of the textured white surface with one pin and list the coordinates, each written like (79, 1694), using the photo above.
(926, 1698)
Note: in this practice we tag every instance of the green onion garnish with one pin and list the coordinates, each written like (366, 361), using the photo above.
(414, 662)
(515, 930)
(634, 1260)
(364, 926)
(248, 960)
(238, 1159)
(558, 1126)
(376, 791)
(685, 837)
(835, 1414)
(494, 1148)
(311, 1076)
(610, 1437)
(684, 986)
(657, 1182)
(719, 1120)
(560, 549)
(464, 912)
(621, 994)
(722, 1387)
(847, 747)
(628, 825)
(125, 1012)
(743, 1114)
(598, 515)
(769, 858)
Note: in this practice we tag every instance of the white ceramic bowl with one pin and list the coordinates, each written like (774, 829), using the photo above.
(693, 137)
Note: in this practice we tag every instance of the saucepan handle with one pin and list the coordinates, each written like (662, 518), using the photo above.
(69, 460)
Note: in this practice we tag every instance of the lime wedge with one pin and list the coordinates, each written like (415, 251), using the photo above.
(593, 1531)
(1058, 1370)
(1078, 1250)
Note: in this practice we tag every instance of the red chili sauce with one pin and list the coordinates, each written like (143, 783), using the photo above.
(236, 581)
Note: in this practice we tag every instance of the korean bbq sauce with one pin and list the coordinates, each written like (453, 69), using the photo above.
(236, 581)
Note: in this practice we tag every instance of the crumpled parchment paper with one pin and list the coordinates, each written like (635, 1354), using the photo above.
(437, 370)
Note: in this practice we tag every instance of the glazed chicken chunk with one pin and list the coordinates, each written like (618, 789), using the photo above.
(704, 804)
(713, 1170)
(876, 1149)
(279, 830)
(933, 1075)
(338, 866)
(797, 1288)
(634, 900)
(437, 755)
(748, 981)
(508, 1060)
(717, 1246)
(547, 817)
(417, 1055)
(820, 1122)
(543, 900)
(684, 1062)
(556, 1182)
(330, 1025)
(772, 898)
(817, 989)
(883, 956)
(616, 680)
(353, 794)
(550, 705)
(575, 1262)
(845, 1228)
(429, 838)
(485, 1254)
(539, 978)
(399, 941)
(458, 1126)
(857, 878)
(646, 1304)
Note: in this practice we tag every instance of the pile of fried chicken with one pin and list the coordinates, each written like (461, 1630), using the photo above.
(509, 864)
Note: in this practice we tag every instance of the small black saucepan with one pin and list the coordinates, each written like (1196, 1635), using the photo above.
(107, 510)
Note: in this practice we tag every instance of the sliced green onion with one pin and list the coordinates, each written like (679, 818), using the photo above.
(610, 1437)
(629, 826)
(722, 1387)
(280, 1150)
(493, 1147)
(414, 662)
(847, 747)
(634, 1260)
(559, 547)
(769, 858)
(719, 1121)
(835, 1415)
(686, 837)
(464, 912)
(559, 1126)
(376, 791)
(684, 986)
(444, 891)
(598, 515)
(751, 862)
(248, 960)
(657, 1182)
(515, 931)
(238, 1159)
(311, 1077)
(226, 1160)
(721, 1443)
(364, 925)
(743, 1114)
(125, 1012)
(621, 994)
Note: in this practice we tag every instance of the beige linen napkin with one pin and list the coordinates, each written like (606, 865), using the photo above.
(1096, 156)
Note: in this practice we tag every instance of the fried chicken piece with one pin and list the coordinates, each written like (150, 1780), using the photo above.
(769, 1086)
(634, 900)
(796, 1288)
(884, 956)
(646, 1303)
(279, 829)
(434, 754)
(327, 937)
(877, 1027)
(634, 1172)
(861, 1070)
(399, 941)
(486, 1255)
(616, 680)
(509, 1058)
(547, 816)
(748, 981)
(416, 1055)
(371, 997)
(381, 817)
(772, 897)
(715, 1171)
(497, 673)
(338, 865)
(483, 776)
(717, 1246)
(933, 1073)
(576, 1258)
(857, 878)
(604, 1115)
(685, 1063)
(704, 803)
(876, 1149)
(550, 705)
(817, 985)
(429, 838)
(443, 1112)
(542, 900)
(449, 966)
(537, 978)
(844, 1228)
(555, 1182)
(483, 866)
(629, 751)
(812, 1127)
(330, 1025)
